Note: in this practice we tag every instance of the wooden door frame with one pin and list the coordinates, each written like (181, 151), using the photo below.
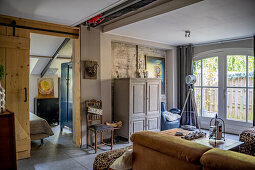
(46, 28)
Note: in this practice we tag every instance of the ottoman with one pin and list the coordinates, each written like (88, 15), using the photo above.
(248, 137)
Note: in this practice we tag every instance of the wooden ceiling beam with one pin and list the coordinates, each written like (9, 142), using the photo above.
(40, 56)
(41, 27)
(54, 56)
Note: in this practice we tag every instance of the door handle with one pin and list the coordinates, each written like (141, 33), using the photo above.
(25, 94)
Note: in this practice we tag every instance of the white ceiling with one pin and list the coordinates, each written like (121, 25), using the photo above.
(66, 12)
(45, 45)
(209, 20)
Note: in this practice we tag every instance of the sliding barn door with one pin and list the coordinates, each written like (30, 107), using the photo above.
(14, 55)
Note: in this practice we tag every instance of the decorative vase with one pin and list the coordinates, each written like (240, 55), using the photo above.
(2, 99)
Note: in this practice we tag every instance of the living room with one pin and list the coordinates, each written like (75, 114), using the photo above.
(131, 63)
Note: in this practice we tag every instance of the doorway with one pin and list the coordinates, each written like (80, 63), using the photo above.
(47, 56)
(66, 99)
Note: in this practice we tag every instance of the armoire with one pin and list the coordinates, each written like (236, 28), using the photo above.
(137, 105)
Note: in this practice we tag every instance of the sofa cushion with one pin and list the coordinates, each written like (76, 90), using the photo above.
(170, 145)
(145, 158)
(227, 160)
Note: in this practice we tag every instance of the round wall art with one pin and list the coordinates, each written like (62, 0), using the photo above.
(46, 88)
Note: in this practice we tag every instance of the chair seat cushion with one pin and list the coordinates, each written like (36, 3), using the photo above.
(100, 127)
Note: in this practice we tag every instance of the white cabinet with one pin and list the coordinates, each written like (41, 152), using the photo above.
(137, 105)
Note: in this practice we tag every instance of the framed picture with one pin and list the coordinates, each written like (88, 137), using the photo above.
(45, 88)
(156, 69)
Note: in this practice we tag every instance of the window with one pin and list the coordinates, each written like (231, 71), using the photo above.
(225, 86)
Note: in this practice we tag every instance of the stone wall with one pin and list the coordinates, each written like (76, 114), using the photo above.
(124, 60)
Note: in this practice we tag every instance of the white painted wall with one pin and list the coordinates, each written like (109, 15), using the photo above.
(233, 44)
(33, 90)
(96, 46)
(171, 80)
(90, 88)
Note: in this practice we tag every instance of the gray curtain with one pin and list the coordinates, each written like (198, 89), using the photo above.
(185, 67)
(254, 83)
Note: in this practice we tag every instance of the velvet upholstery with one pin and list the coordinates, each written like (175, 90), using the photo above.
(227, 160)
(165, 125)
(148, 159)
(156, 151)
(177, 153)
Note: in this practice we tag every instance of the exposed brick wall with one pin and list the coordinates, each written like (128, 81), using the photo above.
(125, 61)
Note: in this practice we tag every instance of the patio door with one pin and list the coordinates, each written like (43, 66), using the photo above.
(225, 86)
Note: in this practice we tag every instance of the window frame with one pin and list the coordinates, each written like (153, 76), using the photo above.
(232, 126)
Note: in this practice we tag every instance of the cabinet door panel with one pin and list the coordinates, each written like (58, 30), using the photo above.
(153, 97)
(138, 98)
(153, 123)
(138, 125)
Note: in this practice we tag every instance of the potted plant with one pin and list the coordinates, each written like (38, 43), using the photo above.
(2, 91)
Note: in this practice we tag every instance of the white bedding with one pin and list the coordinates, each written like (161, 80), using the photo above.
(39, 126)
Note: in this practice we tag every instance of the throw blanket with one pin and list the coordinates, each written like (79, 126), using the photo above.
(171, 116)
(39, 126)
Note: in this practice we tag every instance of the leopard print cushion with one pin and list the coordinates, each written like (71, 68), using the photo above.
(248, 137)
(104, 160)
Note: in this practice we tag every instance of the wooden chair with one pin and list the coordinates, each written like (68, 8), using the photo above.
(92, 116)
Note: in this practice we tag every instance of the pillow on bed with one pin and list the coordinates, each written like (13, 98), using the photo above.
(171, 116)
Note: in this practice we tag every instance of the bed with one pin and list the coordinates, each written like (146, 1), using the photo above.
(39, 128)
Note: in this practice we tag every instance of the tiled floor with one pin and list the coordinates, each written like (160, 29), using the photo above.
(59, 153)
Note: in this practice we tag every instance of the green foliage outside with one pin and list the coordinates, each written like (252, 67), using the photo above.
(236, 70)
(2, 72)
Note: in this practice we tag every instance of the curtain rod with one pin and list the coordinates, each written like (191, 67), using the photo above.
(223, 41)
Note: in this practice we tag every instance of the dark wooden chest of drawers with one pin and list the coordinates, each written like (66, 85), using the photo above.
(7, 142)
(48, 109)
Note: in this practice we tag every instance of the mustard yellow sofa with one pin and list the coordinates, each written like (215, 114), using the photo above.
(158, 151)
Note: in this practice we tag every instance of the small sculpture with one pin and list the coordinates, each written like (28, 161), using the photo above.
(91, 69)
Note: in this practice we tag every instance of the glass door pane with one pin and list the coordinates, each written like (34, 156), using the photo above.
(250, 106)
(197, 72)
(237, 87)
(236, 71)
(236, 104)
(251, 70)
(210, 102)
(197, 91)
(210, 70)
